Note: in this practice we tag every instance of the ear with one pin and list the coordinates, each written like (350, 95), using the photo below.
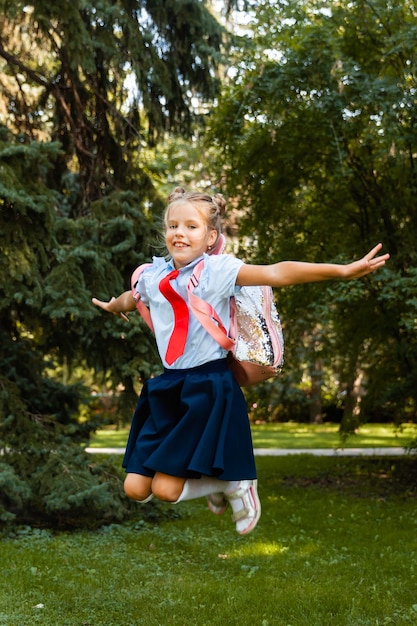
(212, 238)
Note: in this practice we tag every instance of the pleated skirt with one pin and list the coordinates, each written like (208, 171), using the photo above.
(192, 423)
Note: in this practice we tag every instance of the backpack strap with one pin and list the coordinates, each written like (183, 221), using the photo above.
(220, 245)
(141, 307)
(205, 313)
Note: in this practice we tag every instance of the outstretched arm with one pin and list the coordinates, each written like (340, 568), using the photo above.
(118, 306)
(295, 272)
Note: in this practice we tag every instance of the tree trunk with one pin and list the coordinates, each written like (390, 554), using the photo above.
(315, 404)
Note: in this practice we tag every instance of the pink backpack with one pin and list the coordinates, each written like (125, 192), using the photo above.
(255, 342)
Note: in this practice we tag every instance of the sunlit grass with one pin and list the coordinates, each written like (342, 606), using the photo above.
(336, 546)
(307, 436)
(296, 436)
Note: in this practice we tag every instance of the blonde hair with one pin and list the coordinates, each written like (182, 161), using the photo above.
(212, 208)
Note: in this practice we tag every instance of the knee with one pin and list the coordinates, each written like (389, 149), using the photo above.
(137, 487)
(167, 488)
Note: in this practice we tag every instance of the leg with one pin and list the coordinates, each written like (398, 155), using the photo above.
(138, 487)
(241, 495)
(166, 487)
(173, 489)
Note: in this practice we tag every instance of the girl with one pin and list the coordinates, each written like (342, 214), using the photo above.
(190, 434)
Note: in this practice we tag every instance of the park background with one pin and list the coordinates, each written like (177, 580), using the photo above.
(303, 114)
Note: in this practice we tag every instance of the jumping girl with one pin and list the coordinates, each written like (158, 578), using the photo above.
(190, 435)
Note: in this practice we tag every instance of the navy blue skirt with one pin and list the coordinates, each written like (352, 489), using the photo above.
(192, 423)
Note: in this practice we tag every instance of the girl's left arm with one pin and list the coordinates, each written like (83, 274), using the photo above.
(295, 272)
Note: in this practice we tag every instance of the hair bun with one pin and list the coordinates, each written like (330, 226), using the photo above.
(220, 202)
(176, 194)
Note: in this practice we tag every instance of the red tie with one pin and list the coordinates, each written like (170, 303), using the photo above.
(178, 337)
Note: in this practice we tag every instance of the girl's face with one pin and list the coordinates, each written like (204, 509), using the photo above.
(187, 234)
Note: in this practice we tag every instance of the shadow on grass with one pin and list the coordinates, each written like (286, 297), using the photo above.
(374, 477)
(335, 546)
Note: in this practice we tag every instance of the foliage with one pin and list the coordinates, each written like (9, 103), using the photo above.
(105, 81)
(325, 521)
(316, 138)
(85, 88)
(315, 134)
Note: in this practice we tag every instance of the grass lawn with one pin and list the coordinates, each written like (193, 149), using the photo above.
(292, 436)
(336, 546)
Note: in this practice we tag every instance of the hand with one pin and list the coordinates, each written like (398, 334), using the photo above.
(107, 306)
(369, 263)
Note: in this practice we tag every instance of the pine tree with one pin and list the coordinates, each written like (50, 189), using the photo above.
(84, 88)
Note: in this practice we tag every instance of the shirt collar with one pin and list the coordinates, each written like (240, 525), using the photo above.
(170, 264)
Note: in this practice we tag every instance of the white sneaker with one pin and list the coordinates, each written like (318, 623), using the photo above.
(246, 505)
(217, 503)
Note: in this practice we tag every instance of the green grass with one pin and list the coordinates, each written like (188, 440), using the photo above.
(336, 546)
(308, 436)
(291, 435)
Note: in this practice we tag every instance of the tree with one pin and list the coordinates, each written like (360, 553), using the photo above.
(317, 139)
(106, 80)
(84, 89)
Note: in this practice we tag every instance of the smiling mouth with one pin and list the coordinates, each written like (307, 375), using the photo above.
(180, 244)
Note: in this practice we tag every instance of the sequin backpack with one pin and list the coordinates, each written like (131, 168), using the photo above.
(255, 342)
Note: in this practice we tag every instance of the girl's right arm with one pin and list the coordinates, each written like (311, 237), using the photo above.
(118, 306)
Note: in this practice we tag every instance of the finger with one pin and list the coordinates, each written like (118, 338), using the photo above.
(379, 261)
(373, 252)
(101, 304)
(124, 317)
